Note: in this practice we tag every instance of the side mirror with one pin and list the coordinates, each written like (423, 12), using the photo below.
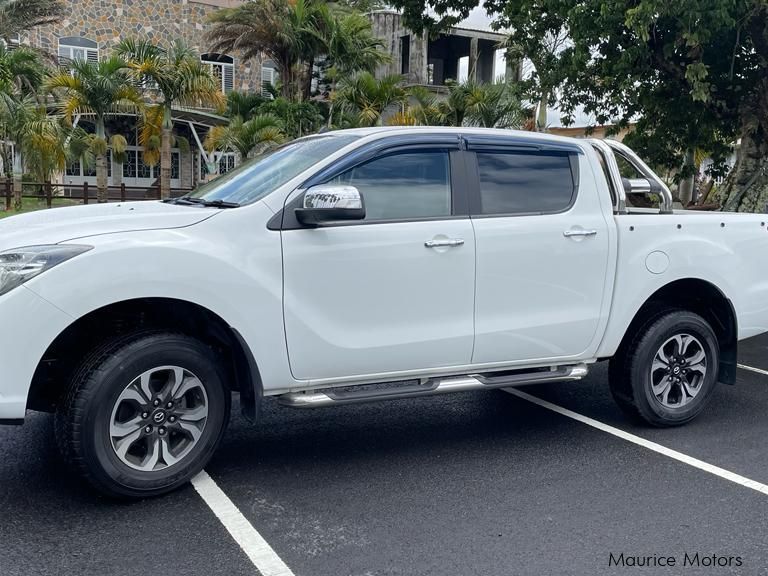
(329, 203)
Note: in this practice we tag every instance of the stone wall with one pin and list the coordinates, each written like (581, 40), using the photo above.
(107, 22)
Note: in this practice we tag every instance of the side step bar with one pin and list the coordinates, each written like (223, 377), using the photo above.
(431, 387)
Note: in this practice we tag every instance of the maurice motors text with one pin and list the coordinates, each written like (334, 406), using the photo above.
(687, 559)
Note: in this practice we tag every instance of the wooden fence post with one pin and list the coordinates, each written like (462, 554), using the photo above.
(18, 191)
(48, 194)
(8, 193)
(85, 192)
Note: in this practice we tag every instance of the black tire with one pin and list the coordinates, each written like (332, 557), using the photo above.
(630, 376)
(83, 419)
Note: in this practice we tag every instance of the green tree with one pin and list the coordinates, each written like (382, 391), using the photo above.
(350, 46)
(544, 42)
(369, 98)
(178, 77)
(247, 138)
(455, 108)
(21, 74)
(17, 16)
(297, 118)
(287, 32)
(97, 90)
(244, 104)
(494, 106)
(691, 74)
(44, 140)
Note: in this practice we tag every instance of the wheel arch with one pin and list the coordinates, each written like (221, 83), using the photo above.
(62, 357)
(703, 298)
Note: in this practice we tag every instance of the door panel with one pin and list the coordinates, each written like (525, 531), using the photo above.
(394, 292)
(373, 298)
(540, 277)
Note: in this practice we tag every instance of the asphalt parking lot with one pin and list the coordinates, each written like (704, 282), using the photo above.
(486, 483)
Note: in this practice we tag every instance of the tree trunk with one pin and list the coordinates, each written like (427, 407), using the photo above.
(307, 88)
(18, 187)
(285, 73)
(541, 115)
(18, 183)
(165, 163)
(685, 189)
(746, 188)
(102, 194)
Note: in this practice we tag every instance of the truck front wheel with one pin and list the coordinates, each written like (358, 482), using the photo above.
(144, 414)
(667, 371)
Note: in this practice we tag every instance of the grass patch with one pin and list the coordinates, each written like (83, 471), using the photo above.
(32, 204)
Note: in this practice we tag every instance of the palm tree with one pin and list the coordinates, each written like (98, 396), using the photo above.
(494, 106)
(350, 44)
(455, 108)
(244, 104)
(43, 140)
(21, 73)
(21, 70)
(370, 97)
(286, 31)
(351, 47)
(423, 108)
(247, 138)
(96, 89)
(179, 78)
(17, 16)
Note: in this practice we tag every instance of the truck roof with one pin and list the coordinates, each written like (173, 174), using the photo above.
(517, 134)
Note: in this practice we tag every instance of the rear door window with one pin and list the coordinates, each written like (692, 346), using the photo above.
(515, 182)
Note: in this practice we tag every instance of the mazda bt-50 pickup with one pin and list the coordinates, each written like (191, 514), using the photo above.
(367, 265)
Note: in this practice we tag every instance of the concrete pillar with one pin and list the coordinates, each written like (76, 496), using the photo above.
(513, 70)
(485, 63)
(186, 169)
(387, 28)
(472, 66)
(418, 61)
(117, 173)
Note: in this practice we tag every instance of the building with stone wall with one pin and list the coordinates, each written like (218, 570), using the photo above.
(90, 30)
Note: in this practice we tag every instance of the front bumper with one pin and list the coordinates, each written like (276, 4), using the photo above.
(28, 325)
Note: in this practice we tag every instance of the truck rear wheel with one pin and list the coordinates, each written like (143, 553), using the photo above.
(144, 414)
(666, 373)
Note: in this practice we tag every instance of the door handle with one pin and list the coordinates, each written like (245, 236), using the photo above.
(569, 233)
(446, 242)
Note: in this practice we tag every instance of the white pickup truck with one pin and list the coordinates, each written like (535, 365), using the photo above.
(367, 265)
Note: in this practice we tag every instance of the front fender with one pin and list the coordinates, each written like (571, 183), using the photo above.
(212, 270)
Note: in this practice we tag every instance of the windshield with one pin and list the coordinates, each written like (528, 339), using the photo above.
(259, 176)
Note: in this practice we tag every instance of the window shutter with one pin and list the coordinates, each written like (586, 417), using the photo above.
(267, 78)
(229, 79)
(92, 55)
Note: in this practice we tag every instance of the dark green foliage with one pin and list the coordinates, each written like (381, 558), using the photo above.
(693, 74)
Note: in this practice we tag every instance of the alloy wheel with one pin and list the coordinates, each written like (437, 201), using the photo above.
(678, 370)
(158, 418)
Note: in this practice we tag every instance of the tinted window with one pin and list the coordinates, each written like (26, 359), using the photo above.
(403, 186)
(520, 183)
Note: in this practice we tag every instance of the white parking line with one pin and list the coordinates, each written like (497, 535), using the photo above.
(266, 560)
(674, 454)
(753, 369)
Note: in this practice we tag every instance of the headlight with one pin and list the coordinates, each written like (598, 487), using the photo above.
(20, 264)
